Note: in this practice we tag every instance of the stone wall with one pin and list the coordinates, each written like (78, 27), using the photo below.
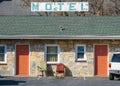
(67, 56)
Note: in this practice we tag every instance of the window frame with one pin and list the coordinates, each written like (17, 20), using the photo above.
(81, 59)
(5, 61)
(51, 62)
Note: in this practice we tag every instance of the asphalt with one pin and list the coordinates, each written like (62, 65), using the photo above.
(52, 81)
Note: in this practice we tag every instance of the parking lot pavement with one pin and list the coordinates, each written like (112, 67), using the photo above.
(52, 81)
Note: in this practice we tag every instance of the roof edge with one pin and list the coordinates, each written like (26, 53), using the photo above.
(55, 37)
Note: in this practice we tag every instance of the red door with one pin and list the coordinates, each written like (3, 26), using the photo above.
(22, 59)
(101, 53)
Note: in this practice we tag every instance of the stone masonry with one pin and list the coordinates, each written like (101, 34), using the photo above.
(67, 56)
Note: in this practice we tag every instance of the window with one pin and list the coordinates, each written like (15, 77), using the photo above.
(52, 53)
(116, 58)
(2, 54)
(80, 52)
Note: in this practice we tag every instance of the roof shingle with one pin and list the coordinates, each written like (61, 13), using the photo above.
(72, 26)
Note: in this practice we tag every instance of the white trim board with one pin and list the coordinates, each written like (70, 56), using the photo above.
(57, 37)
(84, 59)
(58, 53)
(5, 53)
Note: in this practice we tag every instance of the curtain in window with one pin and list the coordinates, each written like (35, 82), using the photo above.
(52, 52)
(2, 53)
(2, 57)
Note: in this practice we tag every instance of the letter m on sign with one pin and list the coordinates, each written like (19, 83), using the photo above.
(34, 6)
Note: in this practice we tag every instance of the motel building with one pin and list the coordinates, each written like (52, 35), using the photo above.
(83, 44)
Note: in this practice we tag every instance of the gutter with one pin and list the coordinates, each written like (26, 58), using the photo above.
(56, 37)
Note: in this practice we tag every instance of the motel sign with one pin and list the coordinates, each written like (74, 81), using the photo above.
(59, 6)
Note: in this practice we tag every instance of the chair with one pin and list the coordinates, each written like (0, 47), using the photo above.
(60, 70)
(42, 68)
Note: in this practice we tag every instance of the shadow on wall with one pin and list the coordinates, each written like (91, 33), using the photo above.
(10, 82)
(67, 71)
(4, 0)
(50, 71)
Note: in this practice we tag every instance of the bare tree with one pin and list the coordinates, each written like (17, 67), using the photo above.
(96, 8)
(116, 7)
(26, 3)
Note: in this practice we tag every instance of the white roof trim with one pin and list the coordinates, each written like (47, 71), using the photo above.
(55, 37)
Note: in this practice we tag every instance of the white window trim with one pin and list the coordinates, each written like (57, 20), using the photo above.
(79, 59)
(3, 62)
(50, 62)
